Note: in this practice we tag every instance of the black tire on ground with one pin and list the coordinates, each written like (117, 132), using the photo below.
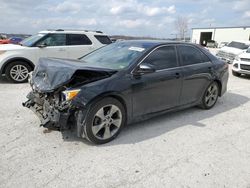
(210, 96)
(236, 73)
(23, 67)
(91, 117)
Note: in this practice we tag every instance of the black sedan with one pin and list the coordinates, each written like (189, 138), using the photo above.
(122, 83)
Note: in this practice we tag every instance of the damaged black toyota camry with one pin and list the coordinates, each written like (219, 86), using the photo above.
(122, 83)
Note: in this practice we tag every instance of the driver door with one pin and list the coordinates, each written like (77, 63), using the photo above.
(161, 89)
(53, 45)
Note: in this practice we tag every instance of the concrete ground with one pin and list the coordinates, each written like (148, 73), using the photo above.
(190, 148)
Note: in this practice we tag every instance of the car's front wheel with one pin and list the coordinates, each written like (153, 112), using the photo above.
(18, 72)
(210, 96)
(105, 120)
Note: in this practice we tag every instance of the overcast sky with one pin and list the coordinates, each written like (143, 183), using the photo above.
(127, 17)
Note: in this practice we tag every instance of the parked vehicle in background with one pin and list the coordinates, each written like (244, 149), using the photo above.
(16, 61)
(15, 40)
(234, 48)
(222, 44)
(4, 41)
(2, 36)
(241, 64)
(212, 44)
(124, 82)
(12, 40)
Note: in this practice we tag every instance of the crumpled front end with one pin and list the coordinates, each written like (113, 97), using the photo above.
(55, 83)
(50, 109)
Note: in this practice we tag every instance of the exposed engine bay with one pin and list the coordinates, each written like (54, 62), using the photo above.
(52, 111)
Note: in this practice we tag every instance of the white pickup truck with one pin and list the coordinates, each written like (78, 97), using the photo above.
(233, 49)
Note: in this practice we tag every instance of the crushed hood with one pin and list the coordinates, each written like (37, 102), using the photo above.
(52, 73)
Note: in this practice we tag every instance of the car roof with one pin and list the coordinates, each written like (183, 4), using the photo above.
(153, 42)
(69, 31)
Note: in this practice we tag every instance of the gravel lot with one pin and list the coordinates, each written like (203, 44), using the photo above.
(190, 148)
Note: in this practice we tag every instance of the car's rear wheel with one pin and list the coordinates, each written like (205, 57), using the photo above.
(236, 73)
(105, 121)
(210, 96)
(18, 72)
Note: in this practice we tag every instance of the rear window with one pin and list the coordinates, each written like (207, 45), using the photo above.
(103, 39)
(78, 39)
(191, 55)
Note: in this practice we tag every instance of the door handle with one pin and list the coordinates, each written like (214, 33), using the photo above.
(177, 75)
(61, 49)
(211, 70)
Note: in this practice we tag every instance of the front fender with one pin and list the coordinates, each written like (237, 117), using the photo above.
(85, 99)
(95, 91)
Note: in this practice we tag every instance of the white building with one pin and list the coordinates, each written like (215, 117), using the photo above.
(220, 34)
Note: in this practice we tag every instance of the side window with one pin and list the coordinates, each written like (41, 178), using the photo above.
(53, 40)
(103, 39)
(78, 39)
(163, 58)
(191, 55)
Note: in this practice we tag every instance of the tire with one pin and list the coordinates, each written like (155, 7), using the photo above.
(102, 126)
(17, 71)
(210, 96)
(236, 73)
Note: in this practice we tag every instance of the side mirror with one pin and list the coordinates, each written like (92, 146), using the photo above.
(145, 68)
(43, 45)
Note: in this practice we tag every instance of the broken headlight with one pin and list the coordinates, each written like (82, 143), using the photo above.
(70, 94)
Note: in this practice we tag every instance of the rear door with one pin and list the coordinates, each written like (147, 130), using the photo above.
(197, 72)
(161, 89)
(78, 45)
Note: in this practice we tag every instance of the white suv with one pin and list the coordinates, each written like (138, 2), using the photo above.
(16, 61)
(241, 64)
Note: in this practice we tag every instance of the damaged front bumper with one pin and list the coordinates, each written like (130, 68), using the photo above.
(56, 114)
(52, 113)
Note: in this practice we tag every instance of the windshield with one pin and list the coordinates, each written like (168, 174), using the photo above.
(248, 50)
(115, 56)
(31, 40)
(238, 45)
